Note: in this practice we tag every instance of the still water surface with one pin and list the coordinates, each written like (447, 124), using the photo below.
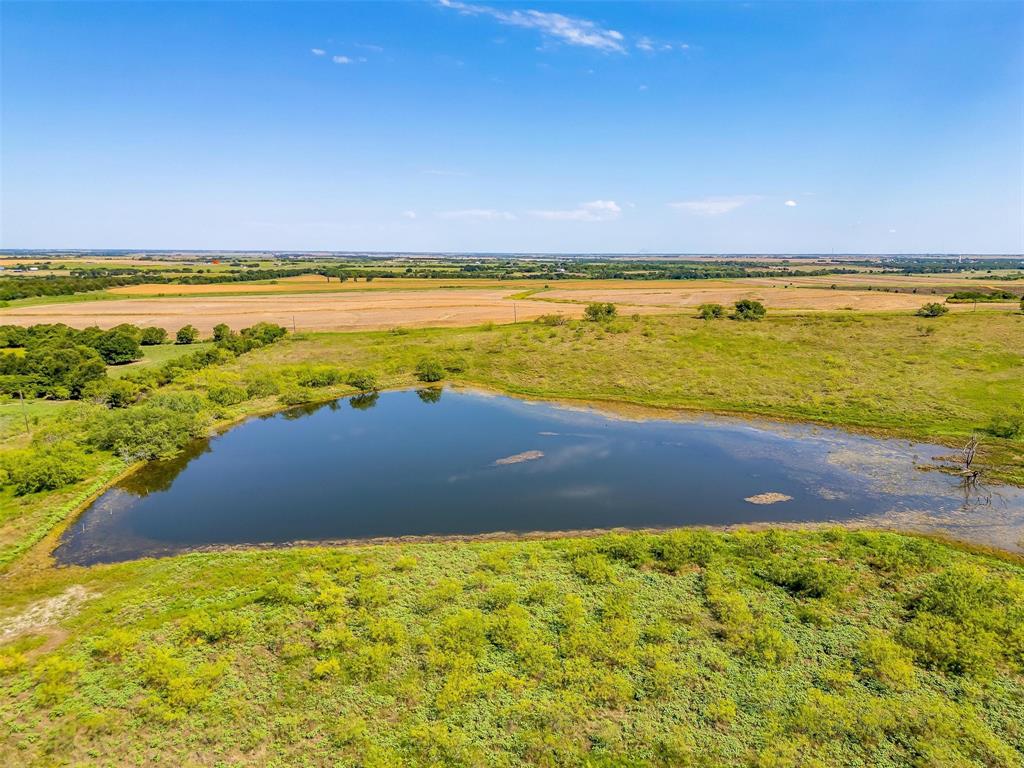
(457, 462)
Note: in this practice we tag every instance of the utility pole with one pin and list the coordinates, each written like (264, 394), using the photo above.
(515, 313)
(293, 323)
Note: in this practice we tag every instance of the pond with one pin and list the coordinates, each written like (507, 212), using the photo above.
(452, 462)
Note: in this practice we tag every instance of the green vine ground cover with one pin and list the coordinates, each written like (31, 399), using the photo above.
(689, 648)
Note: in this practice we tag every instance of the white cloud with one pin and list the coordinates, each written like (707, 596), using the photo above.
(790, 203)
(318, 51)
(645, 44)
(597, 210)
(713, 206)
(565, 29)
(643, 87)
(370, 47)
(409, 214)
(482, 214)
(341, 59)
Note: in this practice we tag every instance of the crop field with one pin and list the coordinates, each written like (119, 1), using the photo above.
(313, 303)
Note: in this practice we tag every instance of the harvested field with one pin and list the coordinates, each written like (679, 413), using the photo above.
(688, 294)
(337, 311)
(304, 284)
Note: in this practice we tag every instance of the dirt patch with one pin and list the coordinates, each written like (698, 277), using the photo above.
(43, 613)
(768, 498)
(519, 458)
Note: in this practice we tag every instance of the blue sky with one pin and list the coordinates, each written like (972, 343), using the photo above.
(704, 127)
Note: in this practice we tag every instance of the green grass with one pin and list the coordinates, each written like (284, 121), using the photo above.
(157, 355)
(747, 649)
(73, 298)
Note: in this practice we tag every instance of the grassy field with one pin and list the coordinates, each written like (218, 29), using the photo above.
(939, 380)
(749, 649)
(156, 355)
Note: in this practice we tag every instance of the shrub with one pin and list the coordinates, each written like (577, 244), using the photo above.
(186, 335)
(748, 309)
(710, 311)
(120, 393)
(552, 320)
(46, 468)
(673, 551)
(932, 310)
(362, 380)
(53, 676)
(152, 335)
(320, 376)
(598, 311)
(227, 395)
(429, 370)
(221, 332)
(212, 627)
(883, 660)
(264, 333)
(593, 568)
(155, 429)
(807, 579)
(1007, 425)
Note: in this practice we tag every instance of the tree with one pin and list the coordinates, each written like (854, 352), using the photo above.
(118, 347)
(187, 335)
(932, 310)
(598, 311)
(221, 332)
(152, 335)
(710, 311)
(748, 309)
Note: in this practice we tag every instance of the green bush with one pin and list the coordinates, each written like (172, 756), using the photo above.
(120, 393)
(45, 468)
(362, 380)
(932, 310)
(598, 311)
(552, 320)
(227, 394)
(320, 376)
(429, 370)
(158, 428)
(748, 309)
(152, 335)
(885, 661)
(710, 311)
(1007, 425)
(188, 334)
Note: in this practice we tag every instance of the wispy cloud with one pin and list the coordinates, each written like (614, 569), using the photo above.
(480, 214)
(790, 203)
(370, 47)
(318, 51)
(713, 206)
(341, 59)
(565, 29)
(597, 210)
(409, 214)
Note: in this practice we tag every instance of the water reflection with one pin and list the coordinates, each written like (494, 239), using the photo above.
(474, 463)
